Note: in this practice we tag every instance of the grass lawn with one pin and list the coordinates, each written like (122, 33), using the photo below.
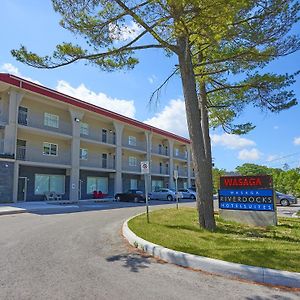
(276, 247)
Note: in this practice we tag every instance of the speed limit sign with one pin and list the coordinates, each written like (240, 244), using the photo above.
(145, 167)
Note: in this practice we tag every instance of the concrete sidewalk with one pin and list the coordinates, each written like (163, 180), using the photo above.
(34, 206)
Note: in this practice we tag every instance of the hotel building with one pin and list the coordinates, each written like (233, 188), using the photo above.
(51, 142)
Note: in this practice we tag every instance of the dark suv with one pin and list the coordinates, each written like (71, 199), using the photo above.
(131, 195)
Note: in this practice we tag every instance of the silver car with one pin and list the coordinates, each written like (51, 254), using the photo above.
(285, 200)
(187, 193)
(164, 194)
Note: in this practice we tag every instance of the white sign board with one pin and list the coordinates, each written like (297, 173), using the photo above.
(175, 175)
(145, 167)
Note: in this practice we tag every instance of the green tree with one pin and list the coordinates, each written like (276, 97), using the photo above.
(211, 39)
(253, 169)
(217, 173)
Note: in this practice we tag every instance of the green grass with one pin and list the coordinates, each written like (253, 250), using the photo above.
(276, 247)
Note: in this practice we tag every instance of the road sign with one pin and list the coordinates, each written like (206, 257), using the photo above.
(145, 167)
(175, 174)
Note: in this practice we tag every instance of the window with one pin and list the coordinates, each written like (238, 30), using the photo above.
(132, 140)
(167, 168)
(132, 161)
(104, 135)
(159, 149)
(22, 115)
(97, 184)
(176, 152)
(44, 183)
(84, 128)
(156, 185)
(51, 120)
(167, 153)
(133, 184)
(104, 160)
(83, 154)
(160, 168)
(50, 149)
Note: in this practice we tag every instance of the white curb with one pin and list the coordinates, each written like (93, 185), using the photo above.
(215, 266)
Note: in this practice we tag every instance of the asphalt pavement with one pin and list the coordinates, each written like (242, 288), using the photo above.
(80, 254)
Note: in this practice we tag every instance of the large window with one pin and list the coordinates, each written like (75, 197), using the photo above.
(156, 185)
(133, 184)
(50, 149)
(84, 128)
(51, 120)
(132, 161)
(44, 183)
(83, 154)
(132, 140)
(97, 184)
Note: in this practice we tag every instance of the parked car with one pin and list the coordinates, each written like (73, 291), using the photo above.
(164, 194)
(187, 193)
(285, 200)
(131, 195)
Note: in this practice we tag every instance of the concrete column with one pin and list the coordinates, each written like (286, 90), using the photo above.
(189, 165)
(10, 133)
(149, 155)
(76, 117)
(118, 160)
(171, 164)
(15, 182)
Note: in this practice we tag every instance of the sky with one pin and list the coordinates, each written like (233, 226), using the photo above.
(274, 142)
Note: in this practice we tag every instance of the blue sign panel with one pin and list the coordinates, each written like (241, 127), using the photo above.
(260, 200)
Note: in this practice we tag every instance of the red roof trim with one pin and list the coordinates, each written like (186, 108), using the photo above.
(36, 88)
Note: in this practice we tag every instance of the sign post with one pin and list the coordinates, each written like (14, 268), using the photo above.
(145, 169)
(175, 175)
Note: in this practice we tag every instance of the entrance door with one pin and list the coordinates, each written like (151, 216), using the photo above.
(22, 189)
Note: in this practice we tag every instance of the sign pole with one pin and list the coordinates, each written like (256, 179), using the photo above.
(146, 195)
(146, 170)
(176, 186)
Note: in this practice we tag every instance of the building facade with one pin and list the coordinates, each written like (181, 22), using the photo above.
(51, 142)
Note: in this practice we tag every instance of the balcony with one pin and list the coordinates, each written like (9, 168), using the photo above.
(95, 161)
(160, 150)
(3, 119)
(138, 145)
(95, 135)
(163, 170)
(182, 172)
(180, 155)
(35, 154)
(37, 121)
(134, 168)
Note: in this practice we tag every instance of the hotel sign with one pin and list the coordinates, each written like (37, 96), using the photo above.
(246, 193)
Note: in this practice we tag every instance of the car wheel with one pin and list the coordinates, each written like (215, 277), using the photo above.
(135, 199)
(284, 202)
(193, 197)
(169, 198)
(118, 198)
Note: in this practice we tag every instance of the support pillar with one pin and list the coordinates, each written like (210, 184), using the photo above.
(76, 117)
(171, 164)
(118, 157)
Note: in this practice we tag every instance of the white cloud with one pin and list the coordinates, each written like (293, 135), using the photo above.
(252, 154)
(121, 106)
(231, 141)
(297, 140)
(172, 118)
(276, 127)
(11, 69)
(126, 32)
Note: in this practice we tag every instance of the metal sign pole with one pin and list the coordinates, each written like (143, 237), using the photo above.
(146, 194)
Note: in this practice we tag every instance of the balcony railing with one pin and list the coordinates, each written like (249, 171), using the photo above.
(160, 150)
(95, 161)
(180, 155)
(1, 146)
(3, 119)
(37, 121)
(182, 172)
(35, 154)
(108, 138)
(138, 145)
(127, 167)
(155, 169)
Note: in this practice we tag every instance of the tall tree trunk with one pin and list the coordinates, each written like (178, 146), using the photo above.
(202, 164)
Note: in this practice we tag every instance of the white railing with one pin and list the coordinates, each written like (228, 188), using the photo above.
(160, 150)
(156, 169)
(138, 145)
(95, 135)
(95, 161)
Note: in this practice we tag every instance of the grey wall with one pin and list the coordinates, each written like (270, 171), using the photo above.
(6, 181)
(29, 172)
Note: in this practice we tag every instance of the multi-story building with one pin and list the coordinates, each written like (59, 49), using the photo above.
(53, 142)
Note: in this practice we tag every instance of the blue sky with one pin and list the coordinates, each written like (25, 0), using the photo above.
(275, 140)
